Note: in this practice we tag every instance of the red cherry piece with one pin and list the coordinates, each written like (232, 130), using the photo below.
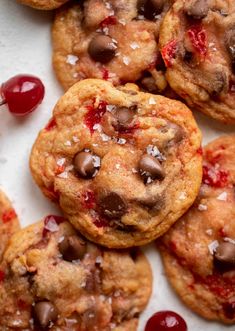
(105, 73)
(51, 124)
(22, 93)
(110, 20)
(2, 276)
(166, 321)
(214, 177)
(94, 115)
(51, 224)
(100, 222)
(169, 53)
(8, 215)
(89, 199)
(229, 309)
(197, 35)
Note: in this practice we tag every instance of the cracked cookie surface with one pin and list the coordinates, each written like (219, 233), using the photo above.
(56, 280)
(8, 222)
(122, 164)
(112, 40)
(43, 4)
(207, 233)
(197, 42)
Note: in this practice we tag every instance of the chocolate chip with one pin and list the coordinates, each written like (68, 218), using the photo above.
(225, 254)
(197, 9)
(102, 48)
(150, 8)
(45, 312)
(218, 83)
(123, 117)
(149, 84)
(155, 203)
(230, 44)
(113, 205)
(72, 248)
(86, 164)
(149, 166)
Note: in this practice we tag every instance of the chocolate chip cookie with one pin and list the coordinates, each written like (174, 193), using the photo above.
(43, 4)
(56, 280)
(115, 40)
(8, 222)
(197, 41)
(199, 251)
(123, 165)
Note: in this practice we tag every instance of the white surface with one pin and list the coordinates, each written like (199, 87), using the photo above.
(25, 48)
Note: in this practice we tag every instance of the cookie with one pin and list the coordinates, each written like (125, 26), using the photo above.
(199, 250)
(8, 222)
(112, 40)
(43, 4)
(197, 42)
(123, 165)
(56, 279)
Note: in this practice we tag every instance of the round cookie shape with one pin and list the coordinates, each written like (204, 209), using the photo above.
(9, 222)
(207, 233)
(111, 40)
(43, 4)
(197, 42)
(147, 169)
(56, 280)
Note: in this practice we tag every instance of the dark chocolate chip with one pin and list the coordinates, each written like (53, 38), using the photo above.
(102, 48)
(149, 166)
(225, 254)
(150, 8)
(123, 117)
(197, 9)
(113, 205)
(85, 164)
(149, 84)
(72, 248)
(45, 312)
(155, 203)
(218, 83)
(230, 44)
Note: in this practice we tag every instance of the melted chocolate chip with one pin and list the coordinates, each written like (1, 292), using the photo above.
(225, 254)
(113, 205)
(155, 203)
(45, 312)
(149, 166)
(72, 248)
(150, 8)
(230, 44)
(197, 9)
(102, 48)
(85, 164)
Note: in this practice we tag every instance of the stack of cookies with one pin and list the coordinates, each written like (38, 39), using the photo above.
(121, 156)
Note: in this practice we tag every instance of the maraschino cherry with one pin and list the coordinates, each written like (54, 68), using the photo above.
(166, 321)
(22, 94)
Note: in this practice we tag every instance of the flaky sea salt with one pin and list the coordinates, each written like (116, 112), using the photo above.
(104, 137)
(202, 207)
(121, 141)
(152, 101)
(230, 240)
(63, 175)
(182, 196)
(212, 246)
(61, 161)
(223, 196)
(67, 143)
(209, 232)
(134, 45)
(75, 139)
(126, 60)
(72, 59)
